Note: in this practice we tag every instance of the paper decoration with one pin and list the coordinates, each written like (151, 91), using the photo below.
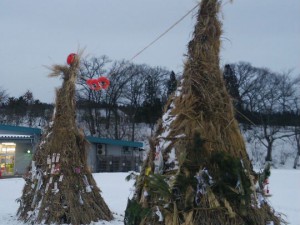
(57, 157)
(87, 185)
(146, 193)
(52, 169)
(33, 201)
(77, 170)
(56, 169)
(55, 189)
(202, 184)
(50, 180)
(53, 157)
(148, 171)
(158, 161)
(48, 160)
(47, 187)
(159, 214)
(33, 170)
(80, 200)
(61, 178)
(40, 179)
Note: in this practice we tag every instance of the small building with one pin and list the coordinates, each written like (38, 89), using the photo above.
(110, 155)
(17, 145)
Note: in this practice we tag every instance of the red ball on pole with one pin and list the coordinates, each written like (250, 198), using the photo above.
(71, 58)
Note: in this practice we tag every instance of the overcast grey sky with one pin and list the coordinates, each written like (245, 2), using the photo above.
(36, 33)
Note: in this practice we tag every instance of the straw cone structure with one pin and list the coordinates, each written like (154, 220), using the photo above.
(59, 186)
(197, 170)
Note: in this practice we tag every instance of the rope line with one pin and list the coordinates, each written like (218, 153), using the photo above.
(159, 37)
(164, 33)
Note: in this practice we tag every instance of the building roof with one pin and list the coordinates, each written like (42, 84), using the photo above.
(19, 132)
(108, 141)
(20, 129)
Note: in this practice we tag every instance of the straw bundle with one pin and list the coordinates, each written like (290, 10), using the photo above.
(59, 186)
(197, 170)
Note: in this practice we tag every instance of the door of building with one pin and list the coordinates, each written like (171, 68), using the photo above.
(7, 158)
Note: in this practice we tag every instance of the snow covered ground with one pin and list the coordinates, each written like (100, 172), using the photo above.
(284, 187)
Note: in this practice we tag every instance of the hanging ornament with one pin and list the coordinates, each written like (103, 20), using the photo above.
(71, 58)
(148, 171)
(87, 185)
(267, 191)
(93, 84)
(158, 161)
(52, 169)
(266, 181)
(159, 214)
(204, 181)
(57, 157)
(47, 187)
(104, 82)
(98, 84)
(53, 157)
(55, 189)
(77, 170)
(56, 169)
(61, 178)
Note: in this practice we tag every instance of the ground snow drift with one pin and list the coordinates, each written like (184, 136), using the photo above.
(284, 187)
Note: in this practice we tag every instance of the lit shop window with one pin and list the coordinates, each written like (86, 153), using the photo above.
(7, 158)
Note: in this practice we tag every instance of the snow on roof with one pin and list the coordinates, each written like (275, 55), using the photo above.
(14, 136)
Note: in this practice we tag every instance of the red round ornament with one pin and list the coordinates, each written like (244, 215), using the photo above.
(104, 82)
(71, 58)
(93, 84)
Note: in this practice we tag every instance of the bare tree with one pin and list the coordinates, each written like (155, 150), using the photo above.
(3, 99)
(270, 100)
(133, 93)
(154, 92)
(112, 112)
(297, 141)
(265, 94)
(89, 100)
(120, 74)
(3, 95)
(246, 76)
(296, 128)
(287, 91)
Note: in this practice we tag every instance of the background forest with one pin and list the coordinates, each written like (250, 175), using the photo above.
(267, 103)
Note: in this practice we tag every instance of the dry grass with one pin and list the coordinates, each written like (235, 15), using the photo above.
(75, 201)
(203, 111)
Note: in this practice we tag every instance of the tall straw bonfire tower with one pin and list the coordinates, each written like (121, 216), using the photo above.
(59, 187)
(197, 170)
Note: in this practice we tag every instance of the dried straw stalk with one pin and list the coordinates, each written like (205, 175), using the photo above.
(201, 128)
(63, 189)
